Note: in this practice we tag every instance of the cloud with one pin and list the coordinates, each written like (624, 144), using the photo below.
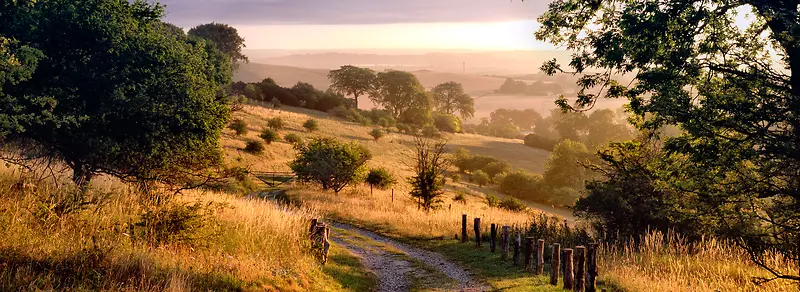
(260, 12)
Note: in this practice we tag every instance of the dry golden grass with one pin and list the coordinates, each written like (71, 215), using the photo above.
(665, 263)
(392, 151)
(259, 246)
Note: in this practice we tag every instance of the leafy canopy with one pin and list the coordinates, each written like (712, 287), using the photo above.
(125, 95)
(401, 94)
(352, 80)
(225, 37)
(330, 163)
(450, 98)
(732, 85)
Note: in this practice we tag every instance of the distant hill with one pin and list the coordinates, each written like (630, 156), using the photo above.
(474, 84)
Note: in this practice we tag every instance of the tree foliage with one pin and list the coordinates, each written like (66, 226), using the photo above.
(118, 92)
(430, 166)
(732, 85)
(379, 178)
(225, 37)
(401, 94)
(330, 163)
(450, 98)
(352, 80)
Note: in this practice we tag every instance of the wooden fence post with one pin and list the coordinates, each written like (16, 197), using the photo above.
(392, 195)
(554, 264)
(568, 275)
(540, 257)
(580, 268)
(591, 267)
(529, 254)
(504, 242)
(492, 237)
(313, 224)
(517, 242)
(478, 232)
(463, 228)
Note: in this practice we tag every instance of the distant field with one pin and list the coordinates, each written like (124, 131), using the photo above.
(479, 87)
(392, 151)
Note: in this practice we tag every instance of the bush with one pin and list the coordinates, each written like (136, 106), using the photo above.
(269, 136)
(254, 147)
(430, 131)
(479, 177)
(329, 162)
(379, 178)
(376, 133)
(460, 197)
(539, 142)
(447, 123)
(406, 129)
(496, 167)
(293, 138)
(492, 201)
(380, 117)
(349, 114)
(276, 123)
(311, 125)
(512, 204)
(238, 126)
(480, 162)
(177, 223)
(522, 185)
(498, 178)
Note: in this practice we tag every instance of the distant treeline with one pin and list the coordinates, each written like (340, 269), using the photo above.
(537, 88)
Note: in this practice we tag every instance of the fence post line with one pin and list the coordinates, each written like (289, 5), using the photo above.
(554, 264)
(478, 232)
(568, 275)
(517, 243)
(504, 242)
(591, 268)
(539, 257)
(529, 254)
(580, 268)
(463, 228)
(492, 237)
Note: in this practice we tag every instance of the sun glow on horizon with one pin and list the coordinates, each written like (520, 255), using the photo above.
(509, 35)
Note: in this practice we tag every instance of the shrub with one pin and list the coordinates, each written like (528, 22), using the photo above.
(430, 131)
(479, 162)
(349, 114)
(238, 126)
(254, 147)
(406, 129)
(311, 125)
(292, 138)
(495, 167)
(330, 163)
(276, 123)
(479, 177)
(498, 178)
(512, 204)
(380, 117)
(460, 197)
(269, 136)
(492, 201)
(539, 142)
(177, 223)
(376, 133)
(447, 123)
(522, 184)
(379, 178)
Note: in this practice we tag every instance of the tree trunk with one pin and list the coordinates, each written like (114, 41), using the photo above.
(355, 97)
(81, 176)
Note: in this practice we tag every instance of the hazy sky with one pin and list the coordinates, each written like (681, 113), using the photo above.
(355, 24)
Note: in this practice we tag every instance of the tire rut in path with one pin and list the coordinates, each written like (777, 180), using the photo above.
(392, 272)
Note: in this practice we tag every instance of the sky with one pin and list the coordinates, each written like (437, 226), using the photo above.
(370, 24)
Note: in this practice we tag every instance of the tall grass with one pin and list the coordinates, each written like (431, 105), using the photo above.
(252, 245)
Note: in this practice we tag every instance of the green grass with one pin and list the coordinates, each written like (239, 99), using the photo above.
(347, 270)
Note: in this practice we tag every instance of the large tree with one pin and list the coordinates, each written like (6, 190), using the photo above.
(352, 80)
(330, 163)
(225, 37)
(125, 95)
(450, 98)
(401, 94)
(731, 83)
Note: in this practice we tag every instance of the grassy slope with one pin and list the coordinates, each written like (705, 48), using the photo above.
(654, 268)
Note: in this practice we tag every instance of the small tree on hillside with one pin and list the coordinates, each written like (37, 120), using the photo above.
(431, 164)
(269, 136)
(379, 178)
(276, 123)
(481, 178)
(311, 125)
(329, 162)
(238, 126)
(376, 133)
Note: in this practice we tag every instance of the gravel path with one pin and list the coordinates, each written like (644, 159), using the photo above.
(393, 272)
